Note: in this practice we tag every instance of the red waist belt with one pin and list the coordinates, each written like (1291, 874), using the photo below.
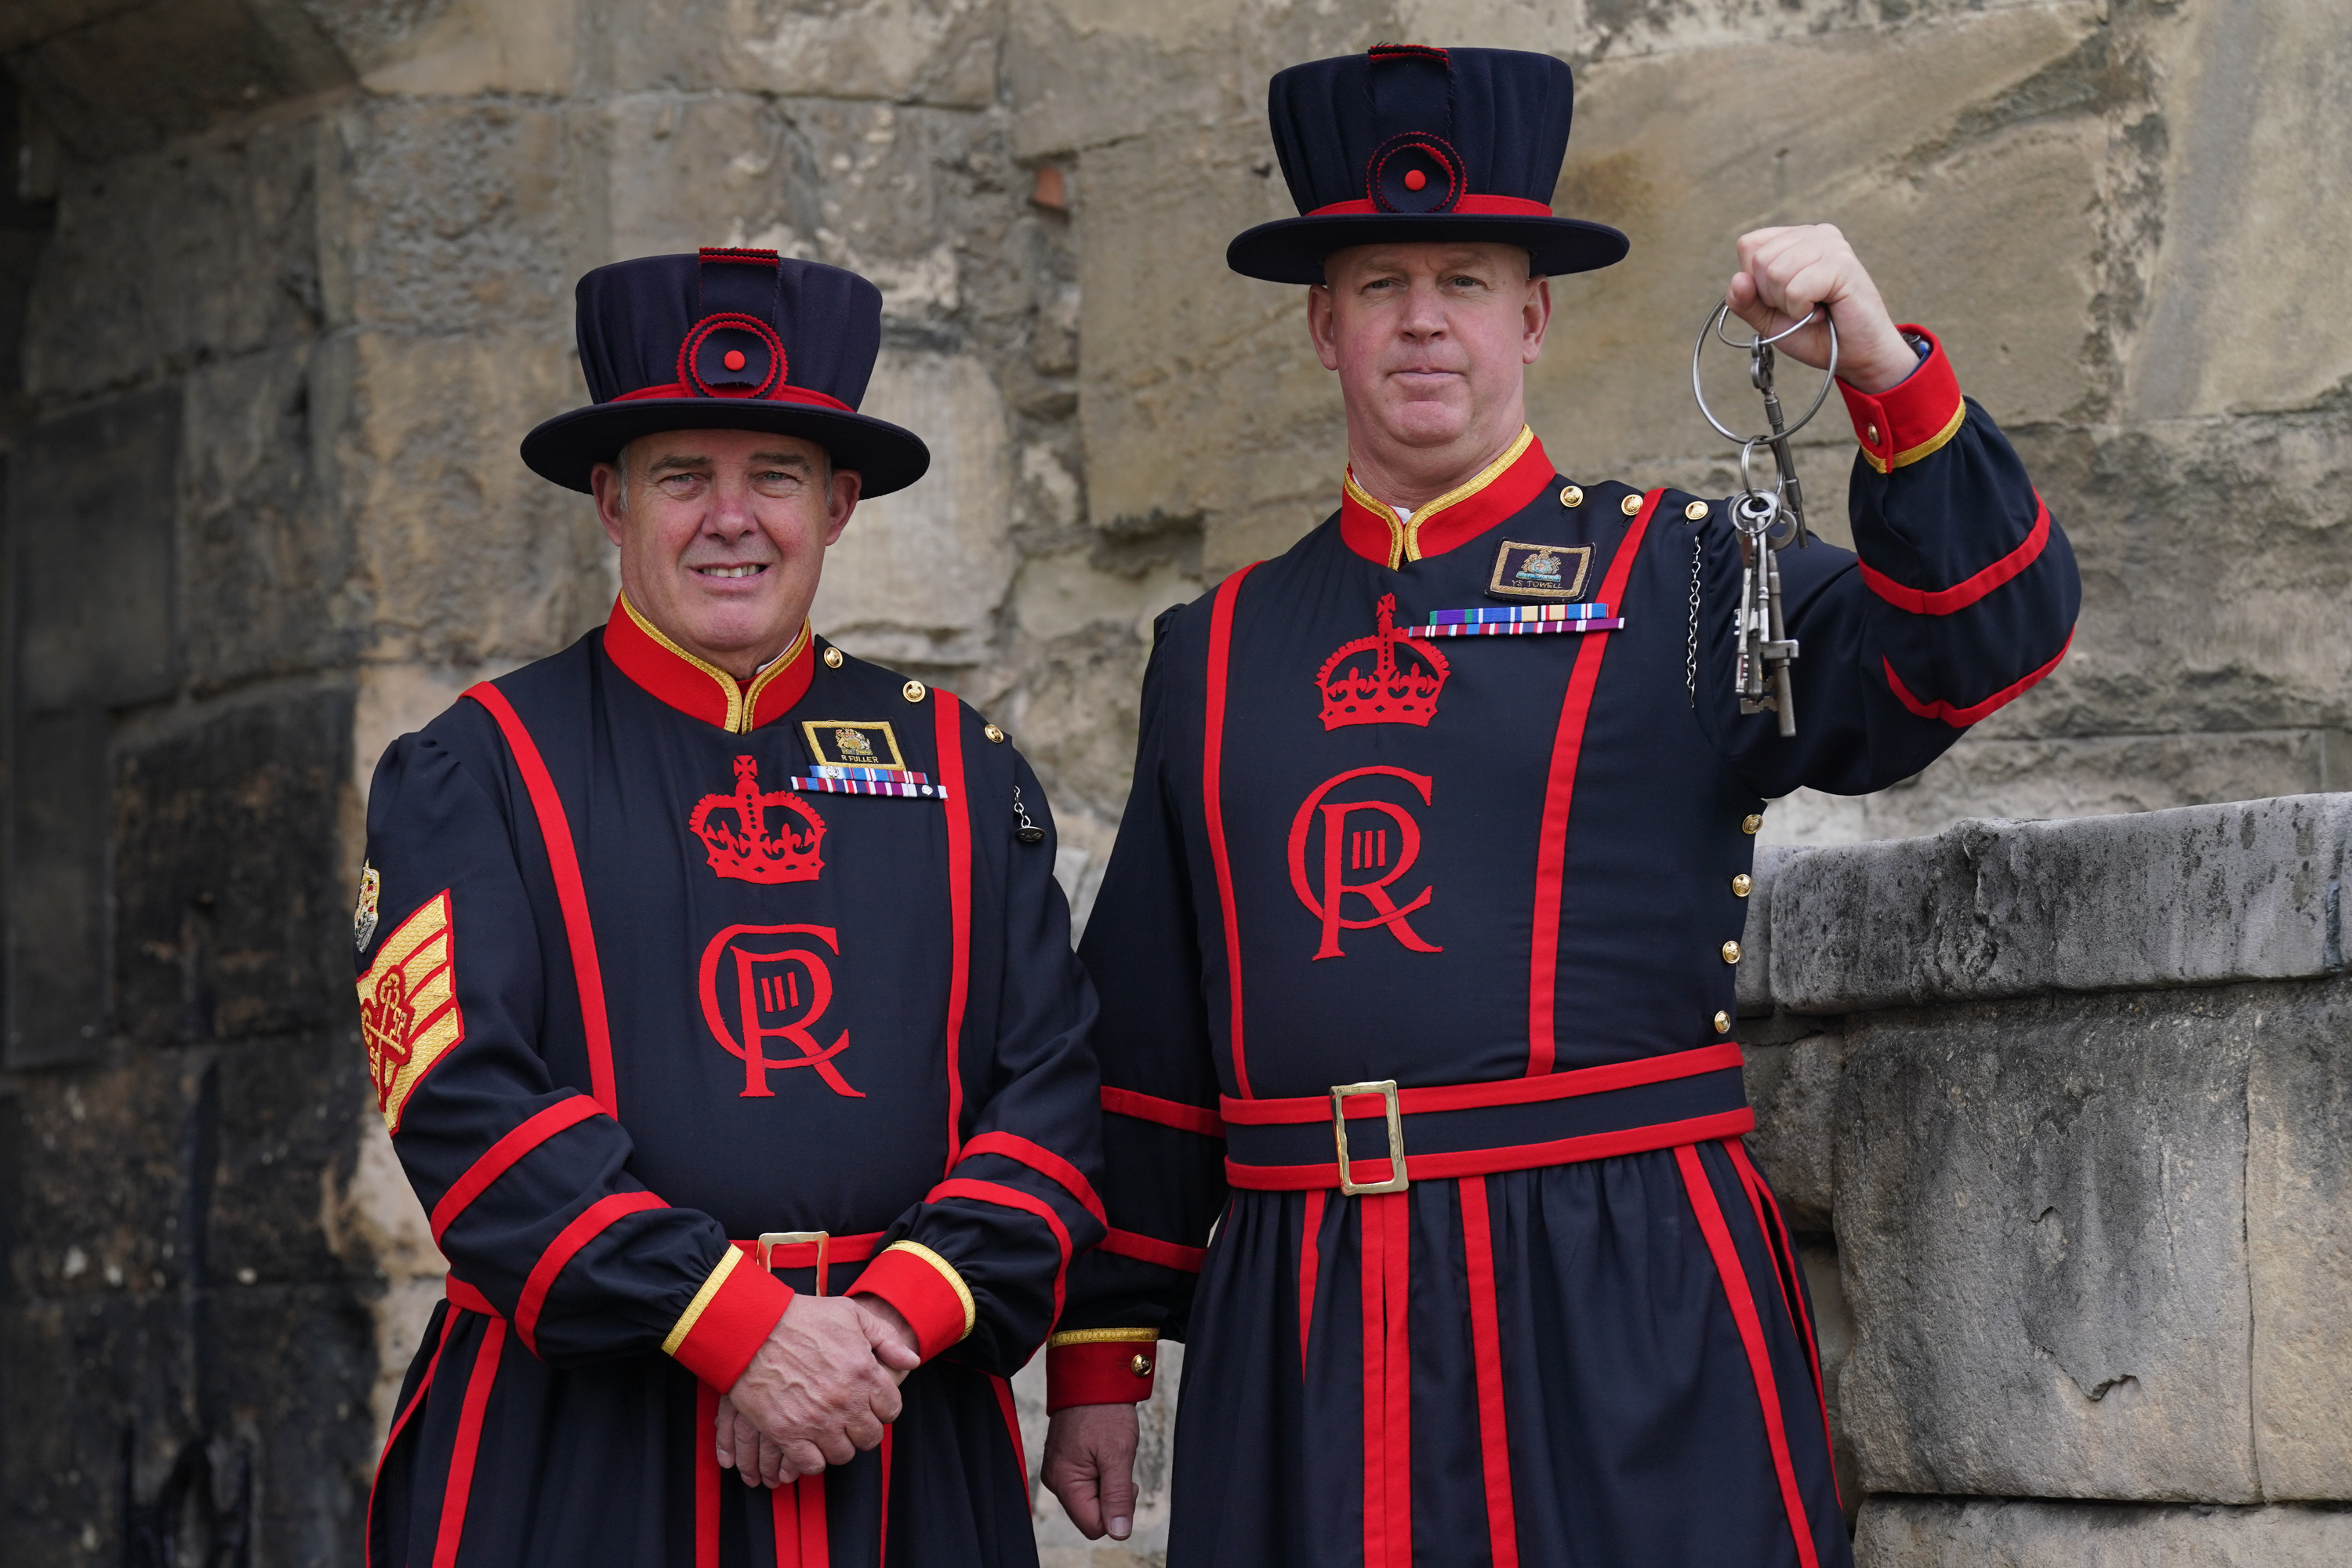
(778, 1250)
(1356, 1137)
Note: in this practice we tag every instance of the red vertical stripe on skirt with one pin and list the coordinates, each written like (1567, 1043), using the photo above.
(571, 891)
(448, 1321)
(1385, 1225)
(1793, 1290)
(882, 1530)
(1310, 1264)
(1752, 1336)
(1559, 794)
(707, 1477)
(1013, 1431)
(1213, 748)
(1487, 1353)
(468, 1445)
(797, 1512)
(958, 809)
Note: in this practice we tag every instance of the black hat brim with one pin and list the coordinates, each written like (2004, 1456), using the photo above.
(567, 449)
(1291, 249)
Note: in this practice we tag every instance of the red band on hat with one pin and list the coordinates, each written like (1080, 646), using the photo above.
(1480, 206)
(779, 395)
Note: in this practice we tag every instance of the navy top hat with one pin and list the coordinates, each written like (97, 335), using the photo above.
(728, 340)
(1413, 143)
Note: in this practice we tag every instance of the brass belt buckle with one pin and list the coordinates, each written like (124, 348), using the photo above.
(1387, 1089)
(772, 1239)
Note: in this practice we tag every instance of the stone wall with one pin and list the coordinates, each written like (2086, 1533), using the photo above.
(282, 284)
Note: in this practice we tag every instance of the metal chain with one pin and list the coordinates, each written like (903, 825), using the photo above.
(1690, 650)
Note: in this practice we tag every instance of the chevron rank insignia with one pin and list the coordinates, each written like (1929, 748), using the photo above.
(408, 1005)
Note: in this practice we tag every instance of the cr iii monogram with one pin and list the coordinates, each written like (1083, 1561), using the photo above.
(1357, 836)
(764, 984)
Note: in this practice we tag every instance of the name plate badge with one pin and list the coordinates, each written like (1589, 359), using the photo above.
(1540, 571)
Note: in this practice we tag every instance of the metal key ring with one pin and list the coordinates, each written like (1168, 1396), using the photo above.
(1714, 325)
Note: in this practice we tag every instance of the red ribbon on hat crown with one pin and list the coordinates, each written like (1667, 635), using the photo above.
(781, 394)
(1475, 206)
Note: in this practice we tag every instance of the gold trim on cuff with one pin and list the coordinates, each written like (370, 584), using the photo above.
(1103, 1337)
(702, 1300)
(1927, 448)
(946, 1272)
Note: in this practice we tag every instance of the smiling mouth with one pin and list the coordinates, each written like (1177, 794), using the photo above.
(729, 572)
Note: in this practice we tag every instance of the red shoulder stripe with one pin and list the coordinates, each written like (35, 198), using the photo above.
(959, 811)
(1166, 1112)
(1961, 718)
(591, 1224)
(1045, 1162)
(1968, 590)
(571, 891)
(1150, 1249)
(1212, 750)
(569, 1111)
(1014, 1198)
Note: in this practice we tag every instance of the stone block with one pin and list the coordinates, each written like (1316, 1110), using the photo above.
(57, 825)
(905, 51)
(1964, 160)
(1074, 712)
(99, 1167)
(1078, 69)
(918, 577)
(164, 259)
(1184, 359)
(467, 557)
(283, 1144)
(457, 47)
(2198, 896)
(2255, 112)
(230, 913)
(1794, 1090)
(2041, 1223)
(2299, 1240)
(1950, 1533)
(303, 1434)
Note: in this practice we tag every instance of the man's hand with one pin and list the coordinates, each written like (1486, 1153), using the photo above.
(1090, 1465)
(817, 1393)
(1785, 272)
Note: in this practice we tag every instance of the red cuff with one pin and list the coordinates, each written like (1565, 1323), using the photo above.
(727, 1320)
(927, 1291)
(1099, 1371)
(1912, 419)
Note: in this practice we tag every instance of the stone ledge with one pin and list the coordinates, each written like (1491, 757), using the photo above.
(1949, 1532)
(2199, 895)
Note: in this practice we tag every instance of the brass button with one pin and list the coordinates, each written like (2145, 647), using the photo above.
(1751, 822)
(913, 691)
(993, 733)
(1870, 433)
(832, 658)
(1696, 510)
(1730, 952)
(1742, 885)
(1140, 1367)
(1630, 505)
(1569, 495)
(1723, 1023)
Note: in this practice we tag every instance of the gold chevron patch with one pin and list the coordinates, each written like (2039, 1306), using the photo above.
(408, 1005)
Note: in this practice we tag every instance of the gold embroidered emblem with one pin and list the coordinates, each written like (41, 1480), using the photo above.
(1540, 571)
(408, 1005)
(852, 744)
(363, 912)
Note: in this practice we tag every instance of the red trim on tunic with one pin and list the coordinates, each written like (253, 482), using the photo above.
(1098, 1373)
(469, 1446)
(1961, 718)
(1492, 1162)
(1601, 1080)
(501, 1156)
(882, 1528)
(460, 1294)
(585, 1227)
(1475, 206)
(571, 891)
(922, 1295)
(1914, 418)
(707, 1477)
(702, 690)
(1486, 1355)
(1014, 1198)
(797, 1514)
(1752, 1336)
(1213, 746)
(1151, 1250)
(1559, 792)
(1444, 525)
(1385, 1226)
(1165, 1112)
(448, 1321)
(1045, 1162)
(735, 1323)
(1310, 1266)
(1012, 1429)
(959, 815)
(1792, 1292)
(1968, 590)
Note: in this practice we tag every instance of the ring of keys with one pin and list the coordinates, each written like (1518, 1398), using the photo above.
(1767, 520)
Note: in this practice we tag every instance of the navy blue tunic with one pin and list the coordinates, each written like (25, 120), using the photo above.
(1359, 849)
(638, 990)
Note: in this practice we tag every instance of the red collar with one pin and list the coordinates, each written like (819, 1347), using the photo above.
(702, 690)
(1372, 530)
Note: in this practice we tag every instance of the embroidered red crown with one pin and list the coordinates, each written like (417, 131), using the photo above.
(738, 840)
(1392, 693)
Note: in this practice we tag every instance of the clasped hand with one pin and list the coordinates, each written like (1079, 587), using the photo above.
(819, 1392)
